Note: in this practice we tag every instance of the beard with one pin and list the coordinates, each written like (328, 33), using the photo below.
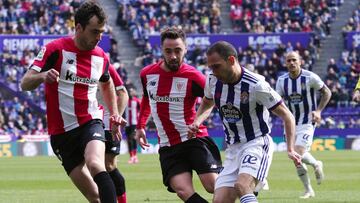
(173, 65)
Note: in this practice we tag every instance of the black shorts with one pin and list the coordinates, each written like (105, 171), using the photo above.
(111, 146)
(200, 154)
(69, 147)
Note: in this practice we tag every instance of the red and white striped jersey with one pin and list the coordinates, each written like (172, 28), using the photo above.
(132, 111)
(71, 102)
(171, 97)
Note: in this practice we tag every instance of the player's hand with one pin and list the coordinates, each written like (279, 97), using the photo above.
(51, 76)
(116, 122)
(193, 129)
(316, 117)
(141, 138)
(295, 157)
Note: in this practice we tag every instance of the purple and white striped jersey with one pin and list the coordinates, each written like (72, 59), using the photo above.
(243, 106)
(300, 94)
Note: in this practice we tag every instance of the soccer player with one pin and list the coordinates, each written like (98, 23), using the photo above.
(243, 99)
(112, 145)
(72, 69)
(171, 88)
(298, 87)
(132, 115)
(356, 94)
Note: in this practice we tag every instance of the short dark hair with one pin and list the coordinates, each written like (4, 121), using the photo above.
(172, 33)
(224, 49)
(86, 11)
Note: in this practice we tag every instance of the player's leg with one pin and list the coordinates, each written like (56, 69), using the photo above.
(224, 195)
(116, 176)
(95, 161)
(244, 188)
(307, 157)
(94, 137)
(183, 186)
(82, 179)
(206, 161)
(133, 145)
(254, 159)
(176, 172)
(69, 148)
(112, 149)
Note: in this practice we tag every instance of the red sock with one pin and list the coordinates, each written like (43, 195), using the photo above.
(134, 152)
(131, 153)
(122, 198)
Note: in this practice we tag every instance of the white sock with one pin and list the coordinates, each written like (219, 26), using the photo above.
(304, 177)
(248, 198)
(309, 159)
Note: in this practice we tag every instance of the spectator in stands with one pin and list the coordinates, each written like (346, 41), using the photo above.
(356, 94)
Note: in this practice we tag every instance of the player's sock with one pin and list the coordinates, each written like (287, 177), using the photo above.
(309, 159)
(196, 198)
(304, 176)
(248, 198)
(122, 198)
(106, 187)
(119, 183)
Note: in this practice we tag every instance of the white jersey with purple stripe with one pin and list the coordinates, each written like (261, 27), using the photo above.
(243, 106)
(300, 94)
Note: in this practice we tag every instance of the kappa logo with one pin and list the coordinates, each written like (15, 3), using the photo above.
(306, 137)
(152, 83)
(213, 166)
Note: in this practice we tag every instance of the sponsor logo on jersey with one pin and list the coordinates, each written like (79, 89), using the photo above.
(295, 98)
(231, 113)
(70, 76)
(244, 97)
(165, 99)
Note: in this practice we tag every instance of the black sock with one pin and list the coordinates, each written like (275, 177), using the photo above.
(118, 180)
(106, 187)
(196, 198)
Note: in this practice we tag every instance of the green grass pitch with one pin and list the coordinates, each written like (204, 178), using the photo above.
(42, 179)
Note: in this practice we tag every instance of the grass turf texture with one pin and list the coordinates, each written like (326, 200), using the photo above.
(42, 179)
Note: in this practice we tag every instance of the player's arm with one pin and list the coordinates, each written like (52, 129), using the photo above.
(32, 79)
(289, 123)
(144, 114)
(122, 100)
(324, 99)
(202, 113)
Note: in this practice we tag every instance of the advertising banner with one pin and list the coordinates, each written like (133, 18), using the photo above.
(15, 43)
(268, 42)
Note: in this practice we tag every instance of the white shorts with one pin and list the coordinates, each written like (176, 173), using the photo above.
(253, 158)
(304, 135)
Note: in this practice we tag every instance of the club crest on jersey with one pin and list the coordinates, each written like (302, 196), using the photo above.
(180, 86)
(41, 54)
(244, 97)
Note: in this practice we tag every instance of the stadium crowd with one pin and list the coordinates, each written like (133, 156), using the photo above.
(142, 18)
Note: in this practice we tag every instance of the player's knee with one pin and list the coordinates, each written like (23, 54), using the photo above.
(95, 166)
(242, 188)
(301, 169)
(93, 197)
(183, 193)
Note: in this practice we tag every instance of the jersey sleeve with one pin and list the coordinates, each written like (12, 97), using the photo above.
(207, 89)
(46, 58)
(145, 110)
(198, 84)
(106, 74)
(119, 84)
(267, 96)
(279, 88)
(316, 82)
